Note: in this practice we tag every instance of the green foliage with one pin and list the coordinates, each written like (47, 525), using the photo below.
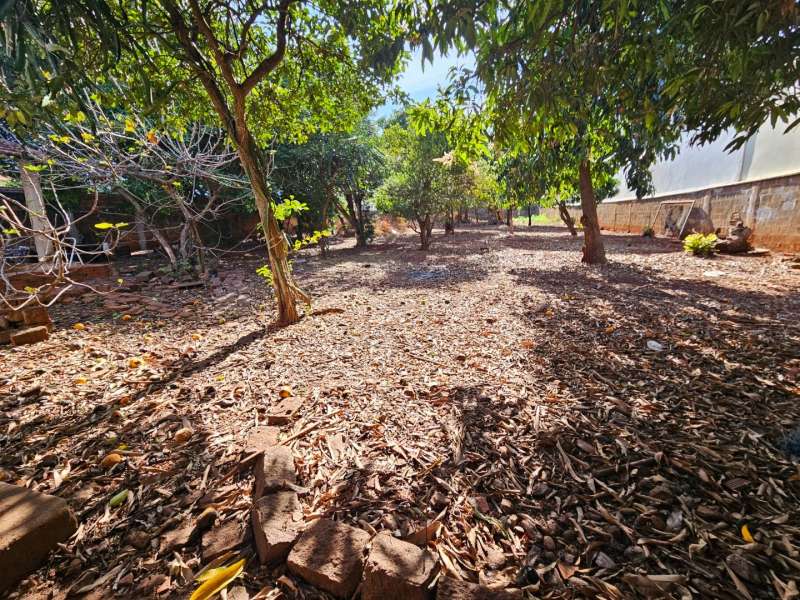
(289, 207)
(265, 272)
(699, 244)
(648, 232)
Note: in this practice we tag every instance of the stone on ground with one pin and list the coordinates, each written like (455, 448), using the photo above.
(330, 556)
(452, 589)
(397, 570)
(277, 521)
(31, 335)
(31, 525)
(273, 470)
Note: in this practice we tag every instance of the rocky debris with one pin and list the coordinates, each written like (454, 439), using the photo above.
(452, 589)
(284, 411)
(32, 335)
(273, 470)
(31, 525)
(330, 555)
(221, 539)
(397, 570)
(277, 521)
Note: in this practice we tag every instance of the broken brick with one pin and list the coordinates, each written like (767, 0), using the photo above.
(330, 555)
(36, 315)
(31, 335)
(284, 411)
(277, 521)
(274, 470)
(452, 589)
(219, 540)
(31, 525)
(261, 439)
(397, 570)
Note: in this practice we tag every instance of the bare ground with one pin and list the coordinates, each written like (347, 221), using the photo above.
(590, 432)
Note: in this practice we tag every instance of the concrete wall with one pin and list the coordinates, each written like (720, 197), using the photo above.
(771, 207)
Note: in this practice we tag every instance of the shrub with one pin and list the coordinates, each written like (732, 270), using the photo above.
(648, 232)
(699, 244)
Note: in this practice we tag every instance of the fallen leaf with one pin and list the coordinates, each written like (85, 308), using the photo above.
(217, 580)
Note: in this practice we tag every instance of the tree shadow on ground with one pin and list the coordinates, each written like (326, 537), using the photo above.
(131, 420)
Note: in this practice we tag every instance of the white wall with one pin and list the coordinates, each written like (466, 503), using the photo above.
(770, 153)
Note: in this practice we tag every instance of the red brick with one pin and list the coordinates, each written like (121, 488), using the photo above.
(5, 336)
(31, 525)
(15, 316)
(36, 315)
(277, 521)
(273, 470)
(284, 411)
(397, 570)
(330, 556)
(261, 439)
(31, 335)
(452, 589)
(4, 323)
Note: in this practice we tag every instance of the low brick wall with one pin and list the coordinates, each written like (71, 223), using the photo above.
(771, 207)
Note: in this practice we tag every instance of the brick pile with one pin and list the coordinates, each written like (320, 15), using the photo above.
(25, 326)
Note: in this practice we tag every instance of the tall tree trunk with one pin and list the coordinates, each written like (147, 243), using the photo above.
(563, 212)
(529, 216)
(593, 250)
(425, 229)
(509, 217)
(34, 201)
(287, 293)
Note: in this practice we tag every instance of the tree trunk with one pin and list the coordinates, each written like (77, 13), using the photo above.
(509, 217)
(425, 229)
(287, 294)
(141, 228)
(563, 212)
(160, 237)
(34, 201)
(593, 250)
(529, 216)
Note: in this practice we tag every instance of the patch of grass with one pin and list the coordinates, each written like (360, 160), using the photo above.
(540, 219)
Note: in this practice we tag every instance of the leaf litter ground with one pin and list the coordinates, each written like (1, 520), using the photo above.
(606, 432)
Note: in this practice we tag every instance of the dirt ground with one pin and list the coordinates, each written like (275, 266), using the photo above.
(608, 432)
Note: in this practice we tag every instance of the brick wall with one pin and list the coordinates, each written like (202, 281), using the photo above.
(771, 207)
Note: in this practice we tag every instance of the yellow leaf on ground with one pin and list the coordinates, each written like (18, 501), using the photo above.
(81, 381)
(126, 317)
(217, 581)
(746, 535)
(183, 435)
(134, 363)
(110, 460)
(79, 327)
(286, 391)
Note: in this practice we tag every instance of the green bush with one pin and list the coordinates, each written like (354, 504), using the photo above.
(648, 232)
(699, 244)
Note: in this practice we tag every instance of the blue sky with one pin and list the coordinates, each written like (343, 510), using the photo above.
(422, 82)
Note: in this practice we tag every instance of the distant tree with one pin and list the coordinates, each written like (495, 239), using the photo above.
(418, 186)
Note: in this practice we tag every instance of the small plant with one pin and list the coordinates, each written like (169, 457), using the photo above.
(699, 244)
(648, 232)
(266, 273)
